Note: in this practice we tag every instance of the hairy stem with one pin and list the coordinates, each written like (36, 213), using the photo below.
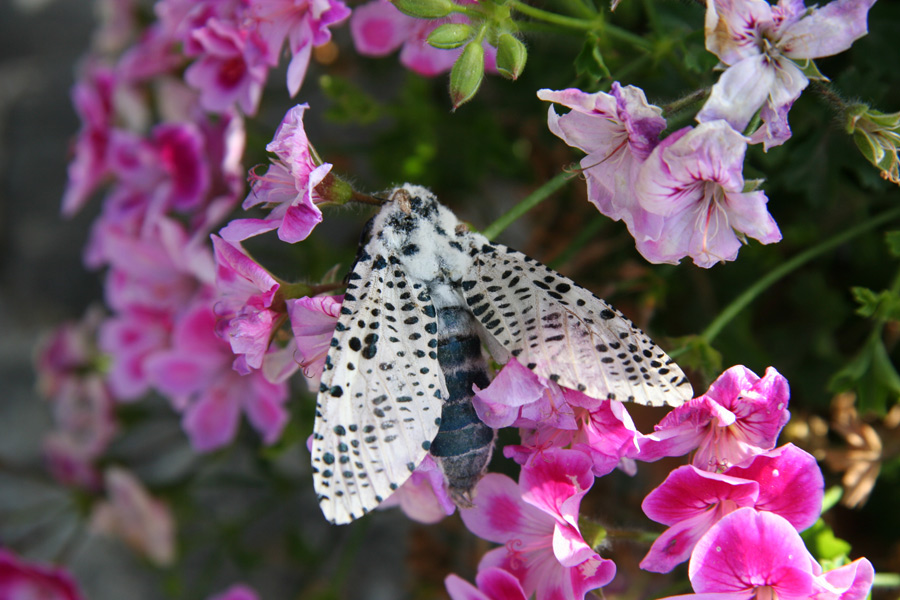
(765, 282)
(529, 202)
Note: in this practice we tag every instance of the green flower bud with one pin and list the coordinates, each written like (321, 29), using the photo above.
(451, 35)
(467, 73)
(425, 9)
(877, 135)
(511, 56)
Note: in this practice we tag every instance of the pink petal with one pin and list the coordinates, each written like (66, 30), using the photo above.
(828, 30)
(688, 492)
(212, 420)
(499, 513)
(675, 544)
(740, 91)
(263, 403)
(378, 28)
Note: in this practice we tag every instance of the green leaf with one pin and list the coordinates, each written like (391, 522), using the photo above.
(893, 241)
(350, 103)
(885, 305)
(694, 352)
(822, 542)
(871, 375)
(589, 62)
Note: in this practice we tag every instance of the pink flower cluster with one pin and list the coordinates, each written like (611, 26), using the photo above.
(20, 580)
(739, 490)
(685, 195)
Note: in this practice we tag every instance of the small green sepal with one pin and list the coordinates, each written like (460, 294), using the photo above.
(467, 73)
(425, 9)
(450, 35)
(511, 56)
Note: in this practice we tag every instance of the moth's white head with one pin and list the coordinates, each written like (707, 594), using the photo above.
(422, 234)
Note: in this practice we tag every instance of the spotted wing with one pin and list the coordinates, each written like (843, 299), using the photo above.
(563, 332)
(380, 397)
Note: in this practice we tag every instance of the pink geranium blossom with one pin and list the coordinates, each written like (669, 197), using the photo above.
(92, 96)
(493, 584)
(129, 338)
(786, 481)
(313, 321)
(231, 68)
(762, 45)
(537, 521)
(303, 24)
(693, 181)
(617, 131)
(379, 28)
(424, 496)
(237, 592)
(196, 373)
(248, 306)
(20, 580)
(288, 187)
(143, 522)
(759, 555)
(738, 417)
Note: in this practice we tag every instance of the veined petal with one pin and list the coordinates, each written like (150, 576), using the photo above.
(732, 28)
(828, 30)
(740, 91)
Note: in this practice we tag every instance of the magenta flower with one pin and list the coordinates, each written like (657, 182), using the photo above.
(786, 481)
(379, 28)
(313, 321)
(196, 374)
(738, 417)
(617, 131)
(92, 96)
(67, 353)
(237, 592)
(246, 305)
(693, 181)
(303, 24)
(288, 187)
(129, 338)
(759, 555)
(493, 584)
(169, 168)
(537, 523)
(423, 497)
(137, 518)
(20, 580)
(231, 69)
(762, 46)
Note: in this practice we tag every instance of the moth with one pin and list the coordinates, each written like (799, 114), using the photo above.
(424, 295)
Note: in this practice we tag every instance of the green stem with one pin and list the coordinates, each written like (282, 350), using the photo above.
(750, 294)
(580, 8)
(556, 19)
(653, 16)
(886, 580)
(529, 202)
(625, 36)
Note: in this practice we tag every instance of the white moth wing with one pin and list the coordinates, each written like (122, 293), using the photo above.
(563, 332)
(380, 396)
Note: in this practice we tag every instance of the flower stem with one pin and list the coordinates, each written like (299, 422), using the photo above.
(750, 294)
(529, 202)
(556, 19)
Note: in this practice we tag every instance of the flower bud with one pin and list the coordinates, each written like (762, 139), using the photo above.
(467, 73)
(425, 9)
(877, 135)
(450, 35)
(511, 56)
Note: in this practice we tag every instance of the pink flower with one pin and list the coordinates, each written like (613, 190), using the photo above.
(378, 29)
(129, 338)
(237, 592)
(739, 417)
(693, 181)
(750, 554)
(551, 416)
(493, 584)
(786, 481)
(288, 187)
(537, 521)
(247, 306)
(169, 168)
(132, 514)
(231, 68)
(423, 497)
(67, 353)
(617, 131)
(762, 45)
(20, 580)
(195, 372)
(92, 96)
(313, 321)
(303, 23)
